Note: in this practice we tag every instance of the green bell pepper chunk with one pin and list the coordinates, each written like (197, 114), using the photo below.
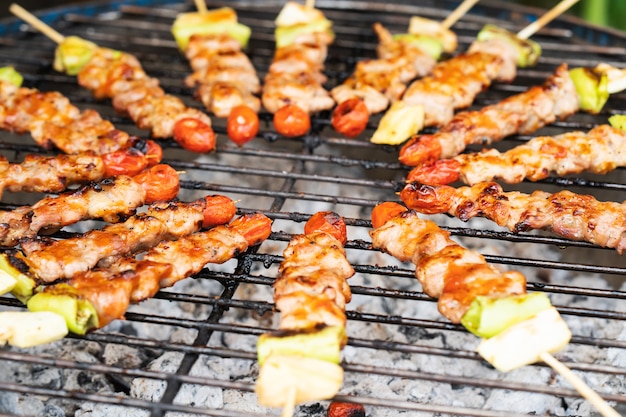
(592, 89)
(618, 121)
(286, 35)
(432, 46)
(528, 52)
(11, 266)
(80, 315)
(324, 344)
(182, 33)
(9, 74)
(73, 54)
(488, 316)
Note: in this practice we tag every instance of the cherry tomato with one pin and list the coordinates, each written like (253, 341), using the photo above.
(154, 153)
(124, 162)
(219, 210)
(160, 183)
(341, 409)
(350, 117)
(255, 228)
(242, 124)
(419, 150)
(292, 121)
(428, 199)
(327, 222)
(194, 135)
(441, 172)
(386, 211)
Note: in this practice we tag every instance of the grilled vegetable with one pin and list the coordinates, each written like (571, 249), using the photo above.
(298, 377)
(524, 342)
(324, 344)
(488, 316)
(25, 329)
(222, 20)
(72, 54)
(295, 19)
(12, 279)
(592, 89)
(435, 31)
(430, 45)
(11, 75)
(528, 51)
(618, 121)
(80, 316)
(401, 121)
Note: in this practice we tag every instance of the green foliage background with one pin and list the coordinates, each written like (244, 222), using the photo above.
(610, 13)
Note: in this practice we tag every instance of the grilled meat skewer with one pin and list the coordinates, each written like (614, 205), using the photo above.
(567, 214)
(119, 76)
(54, 174)
(293, 88)
(47, 261)
(225, 79)
(518, 328)
(104, 295)
(54, 122)
(299, 362)
(522, 113)
(447, 271)
(112, 200)
(598, 151)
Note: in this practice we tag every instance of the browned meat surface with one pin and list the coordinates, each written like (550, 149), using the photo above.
(522, 113)
(130, 280)
(51, 260)
(111, 200)
(49, 174)
(295, 75)
(311, 288)
(54, 122)
(567, 214)
(223, 74)
(447, 271)
(454, 84)
(380, 81)
(120, 77)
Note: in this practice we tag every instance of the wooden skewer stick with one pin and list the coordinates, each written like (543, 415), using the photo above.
(201, 6)
(458, 13)
(310, 4)
(583, 389)
(553, 13)
(35, 22)
(290, 403)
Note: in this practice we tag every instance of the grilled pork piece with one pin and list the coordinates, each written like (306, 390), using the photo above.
(54, 174)
(295, 75)
(598, 151)
(522, 113)
(572, 216)
(49, 260)
(38, 173)
(311, 288)
(455, 83)
(447, 271)
(120, 77)
(223, 74)
(380, 81)
(110, 291)
(112, 200)
(54, 122)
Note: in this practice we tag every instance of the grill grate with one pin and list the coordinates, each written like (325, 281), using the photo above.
(394, 329)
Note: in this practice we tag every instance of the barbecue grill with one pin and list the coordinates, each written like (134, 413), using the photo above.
(191, 349)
